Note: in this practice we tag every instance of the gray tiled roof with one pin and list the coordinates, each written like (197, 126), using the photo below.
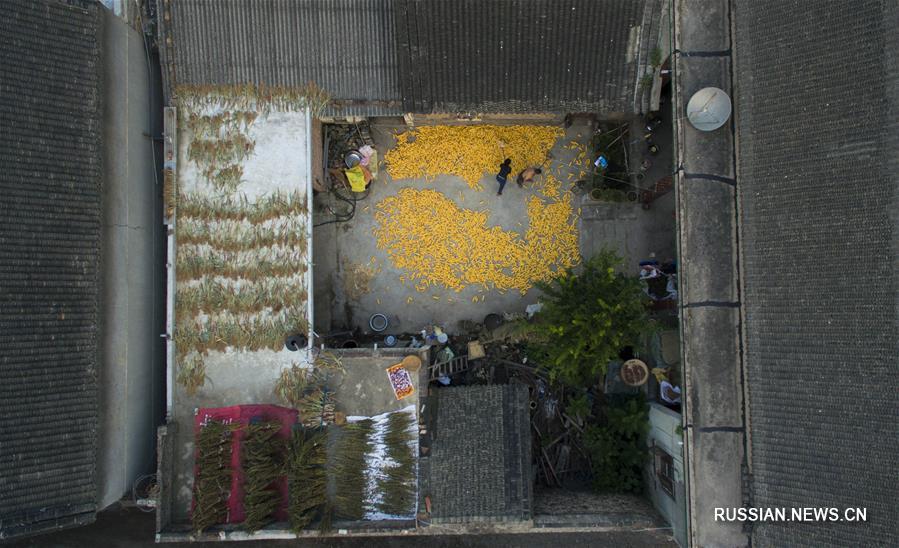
(818, 93)
(385, 57)
(479, 468)
(517, 55)
(49, 259)
(345, 46)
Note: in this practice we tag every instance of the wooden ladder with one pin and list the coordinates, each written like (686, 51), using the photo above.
(448, 367)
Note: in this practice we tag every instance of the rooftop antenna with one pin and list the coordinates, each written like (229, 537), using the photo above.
(709, 109)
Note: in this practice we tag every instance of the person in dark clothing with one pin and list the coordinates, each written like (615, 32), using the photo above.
(504, 170)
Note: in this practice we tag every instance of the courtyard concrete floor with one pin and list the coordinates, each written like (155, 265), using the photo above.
(365, 390)
(633, 232)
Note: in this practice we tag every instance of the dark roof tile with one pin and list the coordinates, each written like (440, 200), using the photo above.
(49, 256)
(479, 468)
(386, 57)
(817, 175)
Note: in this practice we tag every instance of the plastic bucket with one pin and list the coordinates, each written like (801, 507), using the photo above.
(378, 322)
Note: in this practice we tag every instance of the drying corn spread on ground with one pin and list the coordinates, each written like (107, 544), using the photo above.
(550, 186)
(441, 244)
(469, 152)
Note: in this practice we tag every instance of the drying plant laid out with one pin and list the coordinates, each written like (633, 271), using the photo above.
(327, 363)
(349, 467)
(197, 206)
(263, 463)
(196, 262)
(191, 373)
(235, 236)
(296, 383)
(307, 477)
(292, 384)
(212, 485)
(439, 243)
(211, 125)
(374, 466)
(469, 152)
(305, 389)
(243, 333)
(317, 408)
(217, 296)
(249, 97)
(351, 471)
(227, 179)
(396, 483)
(225, 152)
(241, 272)
(219, 145)
(569, 172)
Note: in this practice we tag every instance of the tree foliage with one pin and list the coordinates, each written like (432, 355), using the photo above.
(617, 447)
(587, 317)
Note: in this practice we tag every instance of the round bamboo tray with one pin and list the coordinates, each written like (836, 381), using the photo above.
(411, 363)
(634, 372)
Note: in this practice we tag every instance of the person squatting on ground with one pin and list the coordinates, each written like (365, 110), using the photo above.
(504, 170)
(527, 176)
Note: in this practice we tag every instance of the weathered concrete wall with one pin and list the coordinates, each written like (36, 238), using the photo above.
(707, 241)
(131, 386)
(663, 434)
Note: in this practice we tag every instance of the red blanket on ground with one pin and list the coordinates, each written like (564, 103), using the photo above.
(242, 414)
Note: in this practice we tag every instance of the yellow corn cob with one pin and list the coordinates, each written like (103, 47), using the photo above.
(438, 243)
(468, 152)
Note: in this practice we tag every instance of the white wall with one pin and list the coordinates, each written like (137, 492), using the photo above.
(665, 434)
(131, 269)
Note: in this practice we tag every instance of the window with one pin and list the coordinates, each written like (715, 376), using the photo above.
(665, 471)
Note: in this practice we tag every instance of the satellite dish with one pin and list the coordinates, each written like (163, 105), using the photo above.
(709, 109)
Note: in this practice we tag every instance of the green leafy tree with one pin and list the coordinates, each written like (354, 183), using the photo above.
(587, 317)
(579, 406)
(617, 447)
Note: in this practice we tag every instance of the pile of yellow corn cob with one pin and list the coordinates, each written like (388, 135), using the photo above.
(550, 186)
(439, 244)
(469, 152)
(552, 240)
